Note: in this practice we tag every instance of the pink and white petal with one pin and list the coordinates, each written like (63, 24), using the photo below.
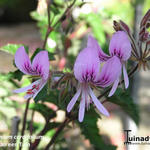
(114, 87)
(87, 63)
(110, 72)
(22, 60)
(126, 79)
(41, 64)
(42, 84)
(82, 108)
(120, 45)
(73, 100)
(103, 56)
(94, 44)
(97, 103)
(24, 89)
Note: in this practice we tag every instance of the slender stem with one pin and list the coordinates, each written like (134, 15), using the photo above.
(31, 125)
(145, 49)
(49, 28)
(129, 75)
(63, 15)
(24, 124)
(140, 48)
(104, 101)
(48, 13)
(60, 128)
(134, 47)
(43, 131)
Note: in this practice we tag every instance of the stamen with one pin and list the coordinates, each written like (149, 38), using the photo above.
(30, 92)
(33, 90)
(34, 86)
(37, 87)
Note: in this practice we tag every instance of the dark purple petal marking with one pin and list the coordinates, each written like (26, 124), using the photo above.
(88, 75)
(118, 53)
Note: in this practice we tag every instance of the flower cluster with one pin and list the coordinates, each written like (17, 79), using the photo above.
(92, 66)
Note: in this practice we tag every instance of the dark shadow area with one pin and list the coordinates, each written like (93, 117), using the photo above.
(14, 11)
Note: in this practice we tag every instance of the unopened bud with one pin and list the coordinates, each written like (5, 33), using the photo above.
(125, 27)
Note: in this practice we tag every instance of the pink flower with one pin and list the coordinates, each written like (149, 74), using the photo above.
(120, 48)
(87, 69)
(38, 67)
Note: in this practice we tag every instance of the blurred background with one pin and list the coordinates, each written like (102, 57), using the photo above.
(24, 23)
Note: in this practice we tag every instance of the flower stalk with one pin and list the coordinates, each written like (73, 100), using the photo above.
(24, 123)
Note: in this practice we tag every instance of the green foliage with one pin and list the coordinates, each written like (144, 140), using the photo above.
(36, 126)
(16, 75)
(50, 55)
(90, 130)
(12, 48)
(42, 94)
(42, 24)
(125, 101)
(94, 21)
(52, 96)
(44, 110)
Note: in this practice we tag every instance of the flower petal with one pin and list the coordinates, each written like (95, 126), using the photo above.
(97, 103)
(120, 45)
(22, 61)
(103, 56)
(36, 91)
(40, 88)
(73, 100)
(39, 83)
(87, 65)
(114, 87)
(94, 44)
(110, 72)
(41, 64)
(82, 108)
(126, 79)
(24, 89)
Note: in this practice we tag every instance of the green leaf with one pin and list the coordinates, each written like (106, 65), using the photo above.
(11, 48)
(35, 15)
(90, 130)
(36, 126)
(51, 96)
(16, 75)
(95, 22)
(42, 109)
(50, 55)
(54, 9)
(125, 101)
(42, 94)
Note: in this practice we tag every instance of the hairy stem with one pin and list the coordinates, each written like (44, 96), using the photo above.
(60, 128)
(24, 123)
(43, 132)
